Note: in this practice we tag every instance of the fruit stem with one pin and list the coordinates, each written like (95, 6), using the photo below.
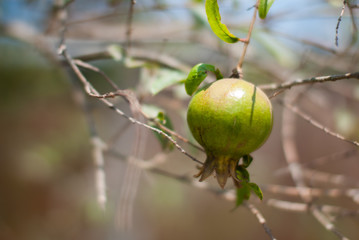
(247, 40)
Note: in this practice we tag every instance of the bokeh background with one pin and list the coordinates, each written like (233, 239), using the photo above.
(47, 183)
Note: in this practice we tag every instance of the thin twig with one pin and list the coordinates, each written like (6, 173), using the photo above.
(303, 207)
(95, 69)
(321, 79)
(287, 206)
(291, 152)
(141, 54)
(246, 43)
(338, 24)
(316, 124)
(328, 178)
(332, 157)
(122, 93)
(98, 145)
(100, 175)
(130, 182)
(260, 219)
(303, 41)
(319, 215)
(90, 90)
(322, 160)
(183, 139)
(129, 25)
(228, 195)
(98, 148)
(351, 193)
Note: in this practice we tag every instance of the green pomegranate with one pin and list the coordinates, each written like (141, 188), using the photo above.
(229, 118)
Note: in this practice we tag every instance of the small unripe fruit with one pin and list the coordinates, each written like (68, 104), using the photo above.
(229, 119)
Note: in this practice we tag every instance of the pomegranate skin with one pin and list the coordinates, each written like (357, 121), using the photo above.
(230, 118)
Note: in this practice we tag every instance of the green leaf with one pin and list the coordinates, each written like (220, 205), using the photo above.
(161, 117)
(151, 111)
(242, 174)
(197, 74)
(243, 193)
(166, 121)
(214, 19)
(244, 187)
(155, 79)
(254, 187)
(158, 114)
(247, 160)
(116, 52)
(263, 8)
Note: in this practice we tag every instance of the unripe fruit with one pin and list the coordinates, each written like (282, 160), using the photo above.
(230, 118)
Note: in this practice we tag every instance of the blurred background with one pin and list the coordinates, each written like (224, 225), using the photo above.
(47, 171)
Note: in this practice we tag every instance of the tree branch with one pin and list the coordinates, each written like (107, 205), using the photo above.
(316, 124)
(338, 24)
(90, 90)
(239, 70)
(321, 79)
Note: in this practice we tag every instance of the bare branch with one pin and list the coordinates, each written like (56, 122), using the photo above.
(228, 195)
(94, 93)
(316, 124)
(287, 206)
(352, 193)
(291, 152)
(322, 160)
(129, 25)
(328, 178)
(321, 79)
(246, 42)
(95, 69)
(100, 175)
(327, 223)
(98, 148)
(260, 219)
(338, 23)
(304, 41)
(141, 54)
(330, 210)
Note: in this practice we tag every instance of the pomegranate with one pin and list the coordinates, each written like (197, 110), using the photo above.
(230, 118)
